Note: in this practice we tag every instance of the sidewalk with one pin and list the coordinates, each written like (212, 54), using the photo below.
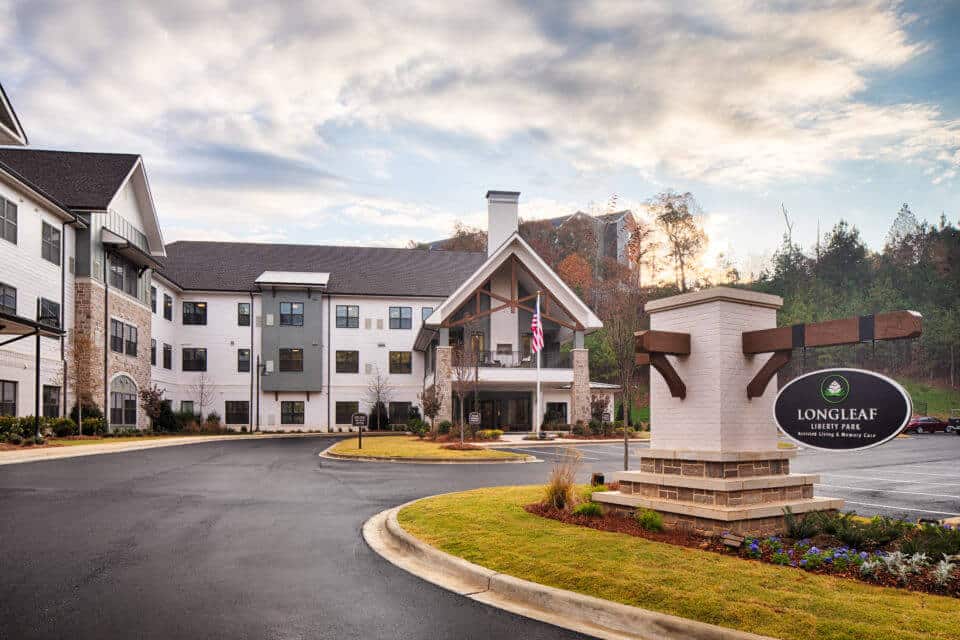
(517, 440)
(56, 453)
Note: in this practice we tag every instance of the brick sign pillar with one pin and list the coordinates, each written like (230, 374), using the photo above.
(580, 389)
(713, 462)
(442, 381)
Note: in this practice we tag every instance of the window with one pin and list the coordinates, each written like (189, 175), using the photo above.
(348, 316)
(116, 336)
(401, 317)
(425, 313)
(123, 275)
(243, 314)
(556, 413)
(194, 313)
(291, 412)
(153, 299)
(50, 243)
(8, 396)
(116, 273)
(504, 348)
(8, 221)
(348, 362)
(167, 307)
(243, 360)
(291, 360)
(194, 359)
(400, 412)
(130, 339)
(51, 401)
(8, 299)
(401, 362)
(153, 352)
(525, 344)
(186, 406)
(49, 313)
(291, 314)
(236, 412)
(345, 411)
(167, 356)
(123, 401)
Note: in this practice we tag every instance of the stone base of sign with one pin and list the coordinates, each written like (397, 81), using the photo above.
(712, 492)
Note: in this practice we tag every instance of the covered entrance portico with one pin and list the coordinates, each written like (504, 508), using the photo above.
(504, 410)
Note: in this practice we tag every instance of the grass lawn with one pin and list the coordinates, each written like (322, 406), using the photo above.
(940, 400)
(66, 442)
(408, 447)
(490, 527)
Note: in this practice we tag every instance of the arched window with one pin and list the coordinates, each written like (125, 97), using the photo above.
(123, 402)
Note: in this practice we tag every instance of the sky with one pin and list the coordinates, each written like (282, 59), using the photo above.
(374, 123)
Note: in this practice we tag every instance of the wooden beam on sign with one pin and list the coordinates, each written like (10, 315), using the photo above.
(672, 342)
(777, 361)
(513, 281)
(896, 325)
(659, 362)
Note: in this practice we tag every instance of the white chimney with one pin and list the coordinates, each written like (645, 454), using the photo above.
(502, 218)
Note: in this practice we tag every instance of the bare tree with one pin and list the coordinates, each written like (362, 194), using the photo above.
(464, 367)
(151, 399)
(82, 371)
(379, 393)
(679, 217)
(202, 390)
(430, 404)
(641, 247)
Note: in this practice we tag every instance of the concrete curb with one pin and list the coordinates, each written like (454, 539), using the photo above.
(574, 611)
(558, 443)
(62, 453)
(327, 453)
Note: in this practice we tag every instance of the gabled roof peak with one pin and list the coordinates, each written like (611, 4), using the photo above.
(11, 132)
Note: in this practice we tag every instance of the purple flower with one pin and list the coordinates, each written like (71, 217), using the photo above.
(814, 550)
(864, 554)
(803, 562)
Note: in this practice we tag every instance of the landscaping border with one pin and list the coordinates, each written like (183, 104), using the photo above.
(566, 609)
(330, 455)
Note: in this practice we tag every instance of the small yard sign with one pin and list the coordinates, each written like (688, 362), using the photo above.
(842, 409)
(359, 420)
(474, 418)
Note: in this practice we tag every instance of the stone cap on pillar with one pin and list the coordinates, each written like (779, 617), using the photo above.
(716, 294)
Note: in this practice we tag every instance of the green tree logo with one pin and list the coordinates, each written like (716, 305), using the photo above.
(834, 389)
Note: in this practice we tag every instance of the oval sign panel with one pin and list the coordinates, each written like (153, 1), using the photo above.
(842, 409)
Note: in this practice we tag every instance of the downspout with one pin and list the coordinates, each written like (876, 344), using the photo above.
(258, 392)
(63, 306)
(252, 322)
(106, 346)
(329, 361)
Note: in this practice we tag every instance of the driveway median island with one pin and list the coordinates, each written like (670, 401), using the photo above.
(493, 529)
(404, 448)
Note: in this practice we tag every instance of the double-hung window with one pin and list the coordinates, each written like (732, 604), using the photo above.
(51, 401)
(8, 299)
(291, 314)
(49, 313)
(8, 221)
(236, 412)
(401, 362)
(243, 314)
(50, 243)
(8, 397)
(348, 362)
(153, 352)
(291, 360)
(167, 307)
(194, 359)
(167, 356)
(399, 412)
(116, 336)
(243, 360)
(153, 299)
(291, 412)
(401, 317)
(348, 316)
(130, 340)
(194, 313)
(345, 411)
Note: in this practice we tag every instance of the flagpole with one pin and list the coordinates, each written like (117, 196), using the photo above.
(538, 416)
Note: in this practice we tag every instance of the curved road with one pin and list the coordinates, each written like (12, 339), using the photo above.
(251, 539)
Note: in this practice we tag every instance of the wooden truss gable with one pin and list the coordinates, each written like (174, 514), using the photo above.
(473, 307)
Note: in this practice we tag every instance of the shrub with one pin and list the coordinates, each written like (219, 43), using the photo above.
(14, 438)
(943, 571)
(580, 429)
(28, 442)
(561, 491)
(63, 427)
(799, 528)
(93, 426)
(90, 410)
(589, 509)
(167, 420)
(933, 540)
(213, 418)
(489, 434)
(648, 519)
(596, 428)
(414, 414)
(444, 427)
(379, 416)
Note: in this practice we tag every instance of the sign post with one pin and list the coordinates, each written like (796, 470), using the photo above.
(359, 420)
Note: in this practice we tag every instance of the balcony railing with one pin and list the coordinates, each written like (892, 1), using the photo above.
(519, 359)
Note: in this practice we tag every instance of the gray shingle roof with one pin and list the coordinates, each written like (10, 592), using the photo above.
(233, 266)
(75, 179)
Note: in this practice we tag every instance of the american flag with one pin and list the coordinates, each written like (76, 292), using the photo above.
(536, 326)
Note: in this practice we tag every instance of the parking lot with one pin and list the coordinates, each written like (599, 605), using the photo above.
(910, 477)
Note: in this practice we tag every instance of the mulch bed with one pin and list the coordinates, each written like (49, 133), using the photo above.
(686, 538)
(614, 437)
(466, 446)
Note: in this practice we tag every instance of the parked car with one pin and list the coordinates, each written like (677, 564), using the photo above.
(925, 424)
(953, 422)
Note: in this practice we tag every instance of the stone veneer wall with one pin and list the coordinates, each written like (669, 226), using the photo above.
(89, 319)
(580, 389)
(442, 381)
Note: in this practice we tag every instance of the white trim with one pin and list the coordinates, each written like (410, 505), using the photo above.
(552, 281)
(19, 135)
(151, 220)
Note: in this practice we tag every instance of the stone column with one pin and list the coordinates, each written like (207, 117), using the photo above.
(580, 389)
(442, 382)
(713, 462)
